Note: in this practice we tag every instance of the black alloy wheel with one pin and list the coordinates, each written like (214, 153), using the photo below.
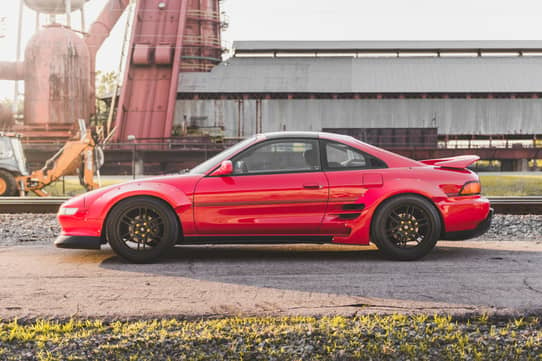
(141, 229)
(406, 228)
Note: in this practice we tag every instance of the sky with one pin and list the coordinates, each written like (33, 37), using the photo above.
(324, 20)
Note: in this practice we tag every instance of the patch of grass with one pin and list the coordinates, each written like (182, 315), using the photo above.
(71, 187)
(511, 185)
(371, 337)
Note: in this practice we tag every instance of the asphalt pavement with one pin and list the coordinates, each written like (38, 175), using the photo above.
(210, 281)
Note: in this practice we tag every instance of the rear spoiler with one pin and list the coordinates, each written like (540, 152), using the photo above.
(460, 162)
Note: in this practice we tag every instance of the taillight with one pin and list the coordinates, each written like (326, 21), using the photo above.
(471, 188)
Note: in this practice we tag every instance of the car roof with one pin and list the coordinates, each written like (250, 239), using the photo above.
(278, 135)
(301, 134)
(392, 159)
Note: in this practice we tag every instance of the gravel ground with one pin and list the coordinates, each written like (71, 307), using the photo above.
(507, 227)
(22, 229)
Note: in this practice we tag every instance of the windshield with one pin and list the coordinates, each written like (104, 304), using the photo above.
(19, 155)
(5, 148)
(209, 164)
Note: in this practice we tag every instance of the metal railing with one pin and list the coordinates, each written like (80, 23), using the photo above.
(489, 141)
(389, 142)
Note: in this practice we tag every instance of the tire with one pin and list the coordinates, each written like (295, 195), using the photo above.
(141, 229)
(406, 228)
(8, 184)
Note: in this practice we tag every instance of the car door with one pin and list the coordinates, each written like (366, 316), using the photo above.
(277, 188)
(351, 173)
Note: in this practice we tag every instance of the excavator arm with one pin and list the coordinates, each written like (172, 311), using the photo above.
(74, 156)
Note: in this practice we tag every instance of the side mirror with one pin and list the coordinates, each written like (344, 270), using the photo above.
(226, 168)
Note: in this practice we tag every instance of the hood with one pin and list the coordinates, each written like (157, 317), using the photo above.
(184, 182)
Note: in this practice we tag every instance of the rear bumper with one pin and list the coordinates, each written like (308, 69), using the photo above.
(78, 242)
(482, 228)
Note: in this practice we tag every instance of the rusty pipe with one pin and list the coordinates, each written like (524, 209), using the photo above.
(101, 28)
(11, 70)
(98, 32)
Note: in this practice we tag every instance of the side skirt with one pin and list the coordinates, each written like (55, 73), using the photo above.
(255, 239)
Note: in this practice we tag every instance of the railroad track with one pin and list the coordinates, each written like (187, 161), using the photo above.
(31, 204)
(517, 205)
(503, 205)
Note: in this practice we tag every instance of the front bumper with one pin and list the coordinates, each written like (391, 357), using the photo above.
(78, 242)
(482, 228)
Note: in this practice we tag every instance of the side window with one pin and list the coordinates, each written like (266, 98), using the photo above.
(342, 157)
(281, 156)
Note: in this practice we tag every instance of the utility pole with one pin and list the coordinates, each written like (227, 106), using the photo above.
(3, 20)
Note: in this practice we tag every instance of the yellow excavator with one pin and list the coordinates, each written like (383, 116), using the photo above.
(81, 156)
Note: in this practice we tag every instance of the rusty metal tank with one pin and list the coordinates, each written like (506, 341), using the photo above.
(53, 6)
(202, 48)
(57, 77)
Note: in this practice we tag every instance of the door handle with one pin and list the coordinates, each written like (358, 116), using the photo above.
(312, 186)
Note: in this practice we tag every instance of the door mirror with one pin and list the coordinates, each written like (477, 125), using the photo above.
(226, 168)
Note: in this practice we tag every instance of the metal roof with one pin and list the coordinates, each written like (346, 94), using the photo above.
(455, 45)
(368, 75)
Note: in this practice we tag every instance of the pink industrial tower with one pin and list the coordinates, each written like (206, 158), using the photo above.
(168, 36)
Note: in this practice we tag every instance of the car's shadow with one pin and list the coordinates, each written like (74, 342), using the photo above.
(458, 275)
(302, 253)
(266, 253)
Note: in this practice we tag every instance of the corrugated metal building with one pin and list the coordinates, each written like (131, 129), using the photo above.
(489, 87)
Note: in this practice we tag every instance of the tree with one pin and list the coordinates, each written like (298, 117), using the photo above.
(106, 86)
(7, 118)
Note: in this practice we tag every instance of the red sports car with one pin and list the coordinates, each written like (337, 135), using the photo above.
(286, 187)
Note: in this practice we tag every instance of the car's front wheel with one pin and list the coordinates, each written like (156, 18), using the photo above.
(406, 228)
(141, 229)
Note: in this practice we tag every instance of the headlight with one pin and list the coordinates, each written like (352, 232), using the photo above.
(66, 211)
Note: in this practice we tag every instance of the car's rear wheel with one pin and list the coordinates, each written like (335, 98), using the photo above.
(8, 184)
(141, 229)
(406, 228)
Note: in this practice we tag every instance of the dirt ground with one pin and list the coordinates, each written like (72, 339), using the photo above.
(206, 281)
